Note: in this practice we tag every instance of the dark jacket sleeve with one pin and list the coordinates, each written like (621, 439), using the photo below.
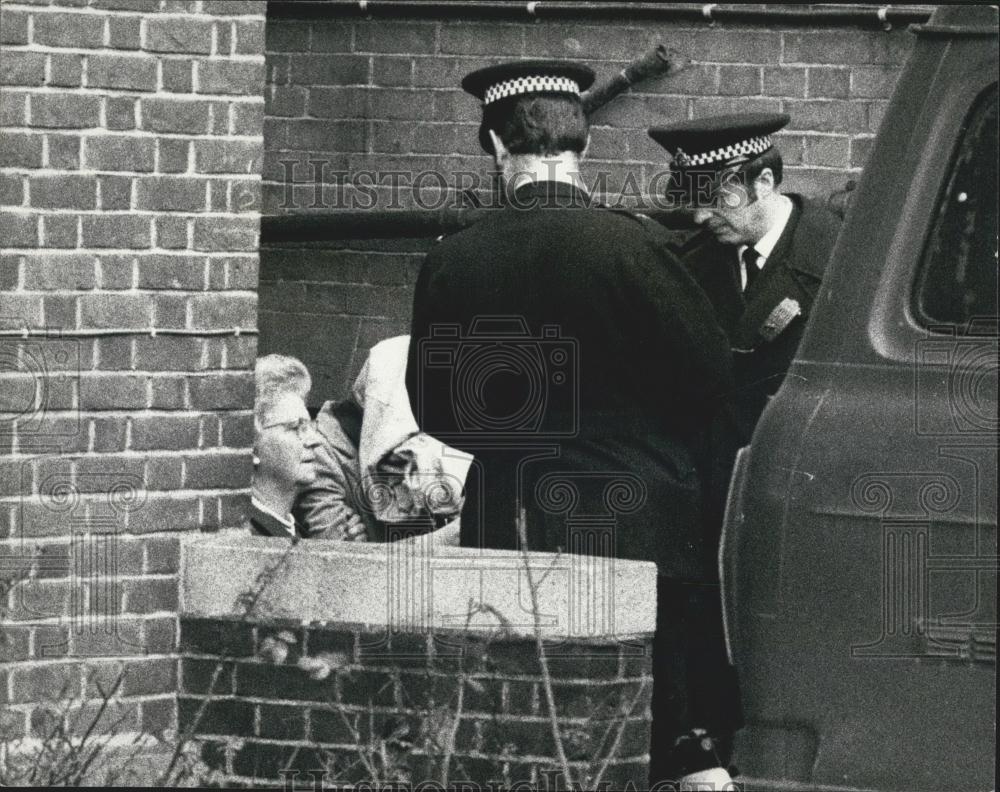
(426, 398)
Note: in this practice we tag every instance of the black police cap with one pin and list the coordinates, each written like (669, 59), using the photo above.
(493, 83)
(718, 142)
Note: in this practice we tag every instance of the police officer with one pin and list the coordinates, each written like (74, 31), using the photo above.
(591, 399)
(761, 253)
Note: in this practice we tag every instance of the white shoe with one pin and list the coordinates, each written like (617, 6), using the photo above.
(714, 779)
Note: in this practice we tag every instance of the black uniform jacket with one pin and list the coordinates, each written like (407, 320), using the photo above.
(568, 350)
(763, 345)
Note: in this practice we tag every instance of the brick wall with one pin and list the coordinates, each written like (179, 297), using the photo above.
(258, 718)
(359, 95)
(130, 149)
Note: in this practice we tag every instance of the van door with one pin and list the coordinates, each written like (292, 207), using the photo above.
(859, 557)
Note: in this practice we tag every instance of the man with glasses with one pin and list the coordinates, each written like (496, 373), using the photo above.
(761, 253)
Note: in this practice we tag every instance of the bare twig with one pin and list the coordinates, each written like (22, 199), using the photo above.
(543, 661)
(613, 749)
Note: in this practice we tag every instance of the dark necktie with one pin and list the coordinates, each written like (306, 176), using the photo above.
(750, 256)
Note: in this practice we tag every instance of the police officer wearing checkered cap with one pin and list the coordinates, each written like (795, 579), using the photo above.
(761, 253)
(650, 357)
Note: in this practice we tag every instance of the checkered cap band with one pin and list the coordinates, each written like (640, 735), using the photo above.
(751, 147)
(525, 85)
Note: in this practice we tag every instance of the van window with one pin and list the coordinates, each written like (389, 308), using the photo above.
(958, 278)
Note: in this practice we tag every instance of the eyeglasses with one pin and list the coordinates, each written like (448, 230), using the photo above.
(299, 425)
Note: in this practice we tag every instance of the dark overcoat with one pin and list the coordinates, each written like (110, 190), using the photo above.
(568, 350)
(763, 346)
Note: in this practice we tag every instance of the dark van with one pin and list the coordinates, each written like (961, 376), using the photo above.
(859, 553)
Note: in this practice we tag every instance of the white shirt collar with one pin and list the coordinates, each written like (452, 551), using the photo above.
(765, 245)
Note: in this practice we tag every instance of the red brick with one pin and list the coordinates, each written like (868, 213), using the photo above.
(444, 72)
(163, 554)
(59, 231)
(64, 192)
(173, 34)
(171, 194)
(250, 36)
(172, 155)
(170, 310)
(150, 595)
(19, 230)
(393, 72)
(171, 272)
(64, 152)
(22, 68)
(109, 434)
(11, 190)
(228, 156)
(171, 232)
(217, 471)
(230, 77)
(222, 392)
(827, 116)
(123, 32)
(116, 231)
(827, 151)
(84, 31)
(119, 153)
(237, 431)
(873, 82)
(223, 310)
(166, 513)
(284, 35)
(177, 75)
(48, 682)
(59, 272)
(285, 101)
(15, 646)
(398, 104)
(328, 69)
(13, 26)
(66, 70)
(117, 717)
(232, 8)
(784, 81)
(116, 192)
(158, 715)
(860, 47)
(829, 83)
(119, 113)
(59, 110)
(112, 392)
(20, 150)
(740, 81)
(704, 106)
(134, 73)
(164, 432)
(169, 393)
(165, 474)
(225, 233)
(248, 118)
(159, 635)
(415, 38)
(175, 115)
(13, 109)
(309, 135)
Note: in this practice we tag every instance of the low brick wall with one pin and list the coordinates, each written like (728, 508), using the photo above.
(443, 654)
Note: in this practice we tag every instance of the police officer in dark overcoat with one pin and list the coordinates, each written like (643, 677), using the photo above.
(760, 254)
(566, 348)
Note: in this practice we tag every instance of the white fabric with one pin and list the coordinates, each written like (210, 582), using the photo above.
(524, 85)
(392, 452)
(765, 245)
